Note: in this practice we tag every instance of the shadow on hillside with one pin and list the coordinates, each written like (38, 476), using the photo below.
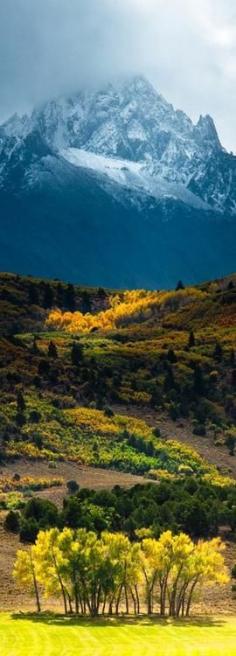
(111, 622)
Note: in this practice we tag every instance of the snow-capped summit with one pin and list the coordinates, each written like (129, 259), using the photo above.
(129, 120)
(207, 132)
(115, 187)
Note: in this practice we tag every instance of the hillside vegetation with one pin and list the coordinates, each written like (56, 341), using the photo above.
(69, 352)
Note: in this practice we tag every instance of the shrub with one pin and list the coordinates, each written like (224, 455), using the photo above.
(230, 440)
(37, 440)
(34, 416)
(108, 412)
(72, 487)
(16, 477)
(42, 510)
(28, 530)
(12, 522)
(156, 432)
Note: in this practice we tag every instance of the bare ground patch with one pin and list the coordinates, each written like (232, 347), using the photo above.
(91, 477)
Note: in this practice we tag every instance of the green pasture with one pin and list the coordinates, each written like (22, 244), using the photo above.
(22, 635)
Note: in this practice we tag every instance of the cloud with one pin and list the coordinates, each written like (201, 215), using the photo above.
(187, 49)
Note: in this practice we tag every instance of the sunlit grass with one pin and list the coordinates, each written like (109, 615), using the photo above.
(52, 635)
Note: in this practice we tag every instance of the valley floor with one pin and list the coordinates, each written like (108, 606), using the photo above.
(52, 635)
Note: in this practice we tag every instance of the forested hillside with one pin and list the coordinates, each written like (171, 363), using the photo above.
(135, 387)
(64, 347)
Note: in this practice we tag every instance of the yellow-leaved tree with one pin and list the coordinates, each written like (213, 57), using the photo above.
(25, 572)
(104, 574)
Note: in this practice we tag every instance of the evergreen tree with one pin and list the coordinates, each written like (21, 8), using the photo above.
(52, 350)
(180, 285)
(76, 354)
(101, 294)
(171, 356)
(48, 295)
(230, 441)
(218, 352)
(33, 294)
(85, 302)
(35, 347)
(198, 380)
(191, 339)
(59, 295)
(69, 299)
(169, 382)
(21, 407)
(43, 367)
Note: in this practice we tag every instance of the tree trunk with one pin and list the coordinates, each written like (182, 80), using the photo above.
(134, 601)
(70, 604)
(118, 599)
(181, 598)
(36, 592)
(104, 604)
(110, 607)
(126, 599)
(60, 583)
(172, 608)
(163, 587)
(190, 597)
(38, 605)
(137, 598)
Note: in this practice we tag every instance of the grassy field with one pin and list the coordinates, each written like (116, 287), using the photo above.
(50, 636)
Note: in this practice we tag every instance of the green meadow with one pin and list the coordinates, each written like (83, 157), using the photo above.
(22, 635)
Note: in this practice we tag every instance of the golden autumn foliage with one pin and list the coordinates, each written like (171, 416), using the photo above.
(107, 574)
(129, 307)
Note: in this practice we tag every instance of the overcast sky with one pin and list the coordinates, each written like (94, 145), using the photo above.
(187, 48)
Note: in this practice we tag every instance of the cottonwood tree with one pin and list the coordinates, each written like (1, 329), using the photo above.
(26, 572)
(94, 575)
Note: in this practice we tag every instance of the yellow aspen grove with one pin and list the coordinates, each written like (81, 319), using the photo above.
(127, 307)
(108, 574)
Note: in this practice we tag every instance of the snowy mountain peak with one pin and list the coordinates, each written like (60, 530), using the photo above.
(130, 121)
(207, 130)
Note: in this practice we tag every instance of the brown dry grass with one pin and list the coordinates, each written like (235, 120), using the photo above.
(91, 477)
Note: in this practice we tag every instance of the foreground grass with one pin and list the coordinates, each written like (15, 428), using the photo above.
(52, 635)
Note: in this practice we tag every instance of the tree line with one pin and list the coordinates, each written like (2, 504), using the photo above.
(187, 505)
(111, 575)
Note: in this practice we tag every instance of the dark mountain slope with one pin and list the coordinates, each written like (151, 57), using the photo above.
(70, 226)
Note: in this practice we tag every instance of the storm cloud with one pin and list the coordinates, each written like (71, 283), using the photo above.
(186, 48)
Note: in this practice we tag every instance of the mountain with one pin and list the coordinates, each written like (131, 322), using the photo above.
(116, 187)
